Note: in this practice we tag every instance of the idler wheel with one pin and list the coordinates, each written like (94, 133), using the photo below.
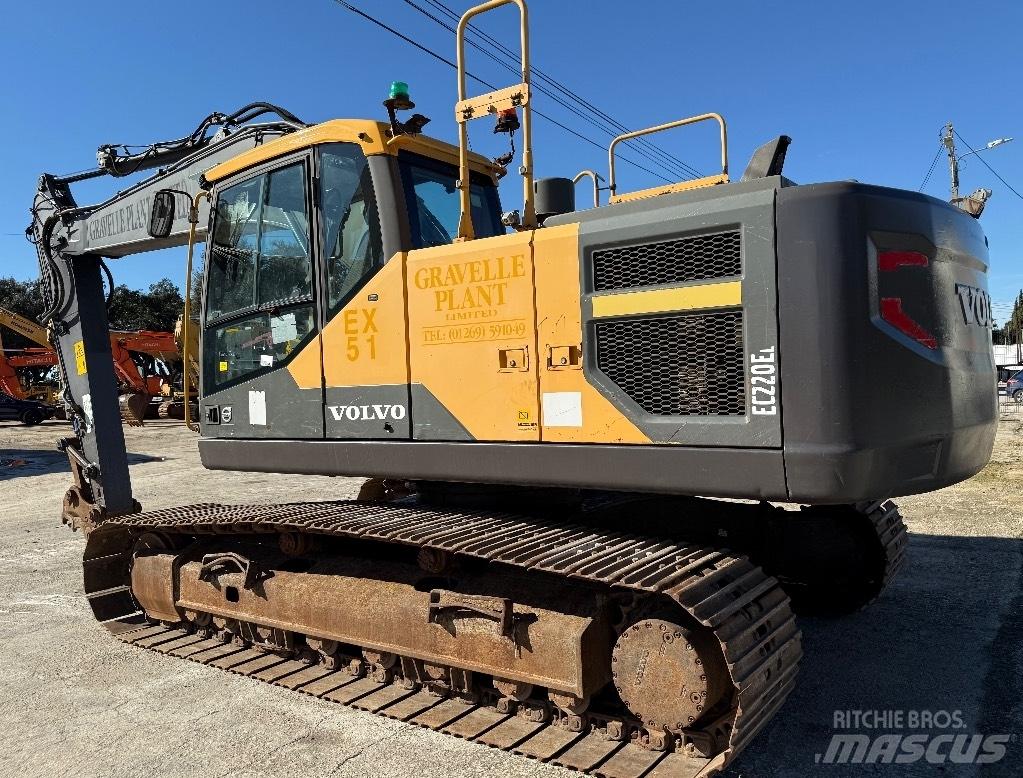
(668, 675)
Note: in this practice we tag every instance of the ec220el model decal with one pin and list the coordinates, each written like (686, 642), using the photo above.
(764, 382)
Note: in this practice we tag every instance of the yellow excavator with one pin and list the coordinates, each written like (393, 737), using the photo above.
(550, 403)
(173, 389)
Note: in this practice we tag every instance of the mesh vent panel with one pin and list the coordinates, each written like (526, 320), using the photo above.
(693, 258)
(677, 365)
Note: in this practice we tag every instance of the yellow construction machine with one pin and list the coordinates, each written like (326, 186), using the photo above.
(549, 401)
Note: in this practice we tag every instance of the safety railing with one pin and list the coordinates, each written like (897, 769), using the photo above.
(469, 108)
(720, 178)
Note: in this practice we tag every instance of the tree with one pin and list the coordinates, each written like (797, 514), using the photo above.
(25, 298)
(130, 309)
(157, 309)
(1013, 329)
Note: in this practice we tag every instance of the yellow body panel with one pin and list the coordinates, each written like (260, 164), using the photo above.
(307, 365)
(364, 344)
(492, 328)
(681, 186)
(680, 298)
(556, 251)
(373, 137)
(472, 333)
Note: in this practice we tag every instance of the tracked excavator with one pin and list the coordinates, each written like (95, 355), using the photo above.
(610, 449)
(173, 389)
(134, 354)
(16, 368)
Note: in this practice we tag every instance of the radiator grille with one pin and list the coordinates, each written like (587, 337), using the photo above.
(690, 365)
(693, 258)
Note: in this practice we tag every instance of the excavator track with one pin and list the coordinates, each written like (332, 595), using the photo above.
(830, 559)
(884, 543)
(886, 519)
(742, 607)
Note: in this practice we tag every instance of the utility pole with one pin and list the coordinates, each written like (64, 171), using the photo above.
(953, 164)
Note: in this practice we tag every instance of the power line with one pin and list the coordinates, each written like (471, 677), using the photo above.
(930, 170)
(993, 171)
(675, 169)
(487, 84)
(541, 75)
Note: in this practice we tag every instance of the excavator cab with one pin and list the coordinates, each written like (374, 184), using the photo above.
(294, 244)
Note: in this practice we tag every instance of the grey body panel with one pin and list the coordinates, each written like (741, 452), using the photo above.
(866, 409)
(664, 469)
(678, 199)
(290, 412)
(368, 412)
(750, 209)
(431, 420)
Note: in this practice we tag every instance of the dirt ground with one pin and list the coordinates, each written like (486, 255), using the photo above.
(947, 636)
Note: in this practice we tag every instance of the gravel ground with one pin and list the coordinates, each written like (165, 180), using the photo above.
(947, 636)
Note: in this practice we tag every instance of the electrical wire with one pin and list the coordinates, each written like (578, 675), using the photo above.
(993, 171)
(541, 75)
(930, 170)
(675, 166)
(488, 85)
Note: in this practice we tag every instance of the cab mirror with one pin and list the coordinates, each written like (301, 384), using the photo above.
(161, 219)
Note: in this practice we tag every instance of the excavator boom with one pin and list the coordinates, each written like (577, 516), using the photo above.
(72, 241)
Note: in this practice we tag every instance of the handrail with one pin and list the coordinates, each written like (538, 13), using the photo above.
(612, 186)
(186, 318)
(474, 108)
(597, 178)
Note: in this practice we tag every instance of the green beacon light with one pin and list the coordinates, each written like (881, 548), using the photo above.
(399, 91)
(399, 97)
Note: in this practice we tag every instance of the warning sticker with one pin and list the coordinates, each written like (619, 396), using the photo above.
(524, 420)
(80, 357)
(223, 367)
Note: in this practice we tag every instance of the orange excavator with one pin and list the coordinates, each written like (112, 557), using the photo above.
(11, 382)
(134, 355)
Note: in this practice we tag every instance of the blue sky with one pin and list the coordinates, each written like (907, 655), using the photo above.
(862, 87)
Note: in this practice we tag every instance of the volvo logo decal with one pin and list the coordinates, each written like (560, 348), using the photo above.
(976, 305)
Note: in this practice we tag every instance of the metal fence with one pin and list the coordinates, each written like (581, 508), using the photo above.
(1009, 408)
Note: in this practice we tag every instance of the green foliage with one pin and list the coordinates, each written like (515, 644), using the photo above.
(130, 309)
(25, 298)
(1012, 332)
(157, 309)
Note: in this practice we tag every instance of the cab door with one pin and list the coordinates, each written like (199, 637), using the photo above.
(365, 356)
(260, 324)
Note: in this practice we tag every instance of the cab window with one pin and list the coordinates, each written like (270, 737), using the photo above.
(254, 344)
(433, 202)
(259, 295)
(352, 245)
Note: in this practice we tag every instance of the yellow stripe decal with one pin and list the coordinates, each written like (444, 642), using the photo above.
(679, 298)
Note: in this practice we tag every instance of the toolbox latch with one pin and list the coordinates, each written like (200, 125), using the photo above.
(564, 357)
(513, 360)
